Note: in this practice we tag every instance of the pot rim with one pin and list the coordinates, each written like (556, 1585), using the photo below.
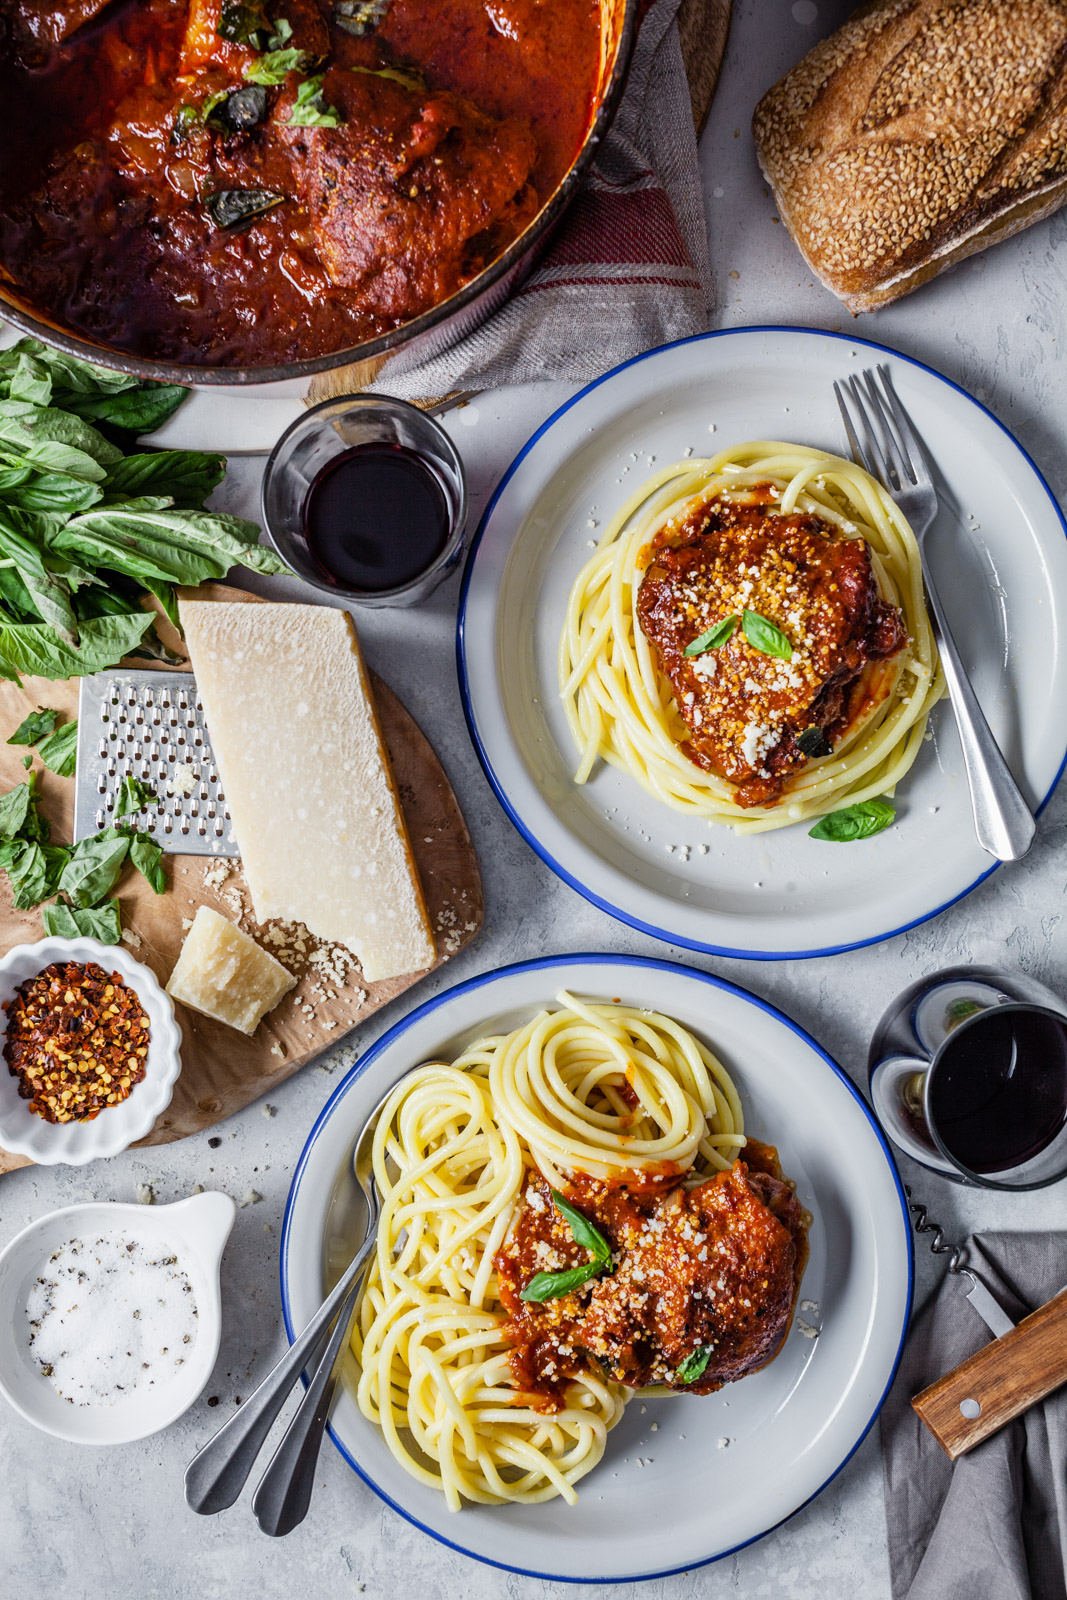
(71, 344)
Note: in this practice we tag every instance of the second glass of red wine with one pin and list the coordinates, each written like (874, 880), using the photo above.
(365, 497)
(968, 1076)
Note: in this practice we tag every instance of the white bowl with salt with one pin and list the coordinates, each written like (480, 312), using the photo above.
(114, 1316)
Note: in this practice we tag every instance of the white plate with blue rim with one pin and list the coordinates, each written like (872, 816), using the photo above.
(687, 1479)
(999, 553)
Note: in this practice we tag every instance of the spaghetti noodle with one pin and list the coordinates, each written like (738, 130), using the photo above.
(591, 1088)
(620, 705)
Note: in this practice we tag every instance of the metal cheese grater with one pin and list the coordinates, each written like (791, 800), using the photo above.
(149, 725)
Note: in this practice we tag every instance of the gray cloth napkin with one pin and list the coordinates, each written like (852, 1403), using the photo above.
(628, 267)
(992, 1526)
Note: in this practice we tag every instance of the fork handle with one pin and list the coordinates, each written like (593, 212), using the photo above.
(283, 1495)
(217, 1473)
(1003, 821)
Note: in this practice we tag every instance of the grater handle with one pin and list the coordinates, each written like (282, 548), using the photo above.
(1003, 1379)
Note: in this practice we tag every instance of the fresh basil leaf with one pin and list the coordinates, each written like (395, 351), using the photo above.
(359, 16)
(814, 743)
(29, 877)
(239, 110)
(31, 380)
(550, 1285)
(134, 796)
(23, 425)
(232, 208)
(309, 110)
(185, 477)
(185, 118)
(56, 857)
(713, 638)
(140, 410)
(59, 751)
(62, 921)
(694, 1366)
(147, 857)
(176, 546)
(15, 807)
(35, 726)
(283, 32)
(854, 822)
(37, 649)
(407, 80)
(94, 867)
(275, 66)
(52, 456)
(582, 1230)
(69, 374)
(244, 24)
(27, 762)
(764, 636)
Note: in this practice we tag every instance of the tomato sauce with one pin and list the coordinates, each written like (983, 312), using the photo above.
(446, 129)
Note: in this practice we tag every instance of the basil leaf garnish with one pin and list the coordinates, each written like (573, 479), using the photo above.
(582, 1230)
(34, 727)
(814, 743)
(763, 636)
(309, 110)
(694, 1366)
(407, 80)
(550, 1285)
(283, 32)
(59, 751)
(62, 921)
(275, 66)
(854, 822)
(232, 208)
(238, 110)
(359, 16)
(244, 24)
(713, 638)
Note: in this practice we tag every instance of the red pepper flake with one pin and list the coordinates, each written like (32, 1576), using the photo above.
(77, 1040)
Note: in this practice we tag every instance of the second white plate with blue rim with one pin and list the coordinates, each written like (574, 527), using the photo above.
(1001, 563)
(667, 1496)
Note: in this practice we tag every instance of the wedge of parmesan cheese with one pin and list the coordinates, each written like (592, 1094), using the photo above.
(307, 778)
(225, 974)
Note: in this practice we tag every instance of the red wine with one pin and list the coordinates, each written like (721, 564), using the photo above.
(376, 517)
(998, 1094)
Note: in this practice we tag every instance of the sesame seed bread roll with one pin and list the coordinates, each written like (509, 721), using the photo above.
(919, 133)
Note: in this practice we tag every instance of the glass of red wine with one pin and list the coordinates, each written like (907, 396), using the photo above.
(365, 497)
(968, 1076)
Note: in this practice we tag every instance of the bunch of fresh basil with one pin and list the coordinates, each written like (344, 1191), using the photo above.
(82, 875)
(89, 524)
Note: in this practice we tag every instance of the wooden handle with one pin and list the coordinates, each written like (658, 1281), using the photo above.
(1003, 1379)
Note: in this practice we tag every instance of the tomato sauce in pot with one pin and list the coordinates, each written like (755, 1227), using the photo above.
(169, 188)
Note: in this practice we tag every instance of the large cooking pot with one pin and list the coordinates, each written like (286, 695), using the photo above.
(431, 333)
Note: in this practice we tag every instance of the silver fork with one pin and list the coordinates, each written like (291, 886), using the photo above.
(1003, 821)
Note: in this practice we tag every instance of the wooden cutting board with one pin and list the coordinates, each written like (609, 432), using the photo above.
(221, 1069)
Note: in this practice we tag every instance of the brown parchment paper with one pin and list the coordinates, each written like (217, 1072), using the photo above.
(222, 1070)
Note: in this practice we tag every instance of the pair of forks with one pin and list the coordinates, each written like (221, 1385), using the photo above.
(885, 444)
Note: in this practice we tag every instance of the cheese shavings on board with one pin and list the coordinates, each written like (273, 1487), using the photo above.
(223, 973)
(307, 779)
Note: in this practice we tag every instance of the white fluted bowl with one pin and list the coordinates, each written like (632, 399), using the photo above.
(24, 1133)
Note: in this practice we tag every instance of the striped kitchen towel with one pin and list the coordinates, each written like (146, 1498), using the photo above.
(627, 268)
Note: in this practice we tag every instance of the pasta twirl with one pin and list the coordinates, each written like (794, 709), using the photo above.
(588, 1088)
(620, 706)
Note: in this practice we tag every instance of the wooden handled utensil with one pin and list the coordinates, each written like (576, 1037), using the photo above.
(1022, 1365)
(998, 1382)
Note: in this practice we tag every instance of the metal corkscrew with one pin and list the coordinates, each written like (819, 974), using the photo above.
(992, 1314)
